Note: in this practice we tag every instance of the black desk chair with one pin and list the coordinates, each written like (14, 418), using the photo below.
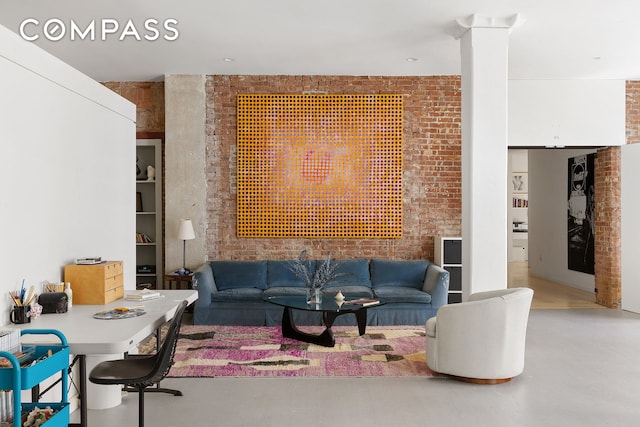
(141, 372)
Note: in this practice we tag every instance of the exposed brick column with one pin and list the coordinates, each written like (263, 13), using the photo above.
(633, 112)
(608, 256)
(218, 194)
(608, 268)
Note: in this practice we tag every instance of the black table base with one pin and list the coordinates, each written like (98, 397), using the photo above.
(325, 339)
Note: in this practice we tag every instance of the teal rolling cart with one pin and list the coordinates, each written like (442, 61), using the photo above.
(18, 378)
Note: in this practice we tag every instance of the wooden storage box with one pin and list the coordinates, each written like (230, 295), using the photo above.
(95, 284)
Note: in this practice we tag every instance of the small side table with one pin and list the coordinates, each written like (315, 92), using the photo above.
(178, 281)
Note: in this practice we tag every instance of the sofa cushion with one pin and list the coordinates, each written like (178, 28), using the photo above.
(402, 294)
(281, 291)
(403, 273)
(237, 295)
(279, 274)
(347, 291)
(352, 272)
(240, 274)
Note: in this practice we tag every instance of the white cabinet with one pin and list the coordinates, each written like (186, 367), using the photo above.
(149, 212)
(448, 255)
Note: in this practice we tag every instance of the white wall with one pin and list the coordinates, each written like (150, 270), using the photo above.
(67, 179)
(548, 218)
(630, 159)
(570, 113)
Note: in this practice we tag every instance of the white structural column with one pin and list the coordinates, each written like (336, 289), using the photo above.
(484, 50)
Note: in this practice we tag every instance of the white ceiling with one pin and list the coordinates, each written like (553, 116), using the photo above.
(560, 39)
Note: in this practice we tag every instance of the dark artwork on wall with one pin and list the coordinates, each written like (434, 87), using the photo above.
(580, 224)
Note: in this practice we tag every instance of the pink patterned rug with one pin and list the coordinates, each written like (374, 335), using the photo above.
(260, 351)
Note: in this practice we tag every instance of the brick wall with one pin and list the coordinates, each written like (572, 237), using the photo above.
(432, 169)
(608, 274)
(149, 100)
(608, 267)
(633, 112)
(432, 189)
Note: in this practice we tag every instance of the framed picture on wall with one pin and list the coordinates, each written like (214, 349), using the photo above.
(519, 182)
(581, 214)
(307, 170)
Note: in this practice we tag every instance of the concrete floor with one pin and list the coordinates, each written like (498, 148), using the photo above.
(582, 369)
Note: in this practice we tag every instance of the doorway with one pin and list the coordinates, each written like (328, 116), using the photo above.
(537, 229)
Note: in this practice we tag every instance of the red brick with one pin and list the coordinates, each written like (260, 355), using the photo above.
(431, 108)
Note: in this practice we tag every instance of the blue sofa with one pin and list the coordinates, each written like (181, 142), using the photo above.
(232, 292)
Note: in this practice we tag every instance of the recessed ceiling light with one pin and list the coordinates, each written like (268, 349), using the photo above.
(412, 59)
(229, 59)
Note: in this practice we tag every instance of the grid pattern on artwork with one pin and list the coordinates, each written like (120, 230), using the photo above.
(319, 166)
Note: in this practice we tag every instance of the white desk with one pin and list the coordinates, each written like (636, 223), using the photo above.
(93, 337)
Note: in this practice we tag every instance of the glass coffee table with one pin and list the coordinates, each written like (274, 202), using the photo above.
(330, 310)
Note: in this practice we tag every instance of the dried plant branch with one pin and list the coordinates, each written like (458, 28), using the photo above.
(326, 272)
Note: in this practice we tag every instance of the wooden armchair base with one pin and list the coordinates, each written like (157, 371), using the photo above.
(485, 381)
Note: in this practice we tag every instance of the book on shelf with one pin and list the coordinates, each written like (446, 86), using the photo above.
(143, 238)
(364, 302)
(89, 261)
(143, 295)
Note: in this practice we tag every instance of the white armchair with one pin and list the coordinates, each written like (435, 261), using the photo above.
(481, 340)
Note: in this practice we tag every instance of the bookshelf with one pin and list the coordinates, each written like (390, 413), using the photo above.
(149, 213)
(448, 255)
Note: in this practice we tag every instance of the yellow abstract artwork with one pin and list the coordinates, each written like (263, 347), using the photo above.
(319, 166)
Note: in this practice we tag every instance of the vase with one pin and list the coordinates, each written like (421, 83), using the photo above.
(314, 295)
(151, 173)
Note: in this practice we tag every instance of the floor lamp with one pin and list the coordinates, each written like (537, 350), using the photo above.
(185, 232)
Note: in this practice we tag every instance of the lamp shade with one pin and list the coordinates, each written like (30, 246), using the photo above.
(185, 232)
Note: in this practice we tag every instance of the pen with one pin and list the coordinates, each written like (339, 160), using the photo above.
(13, 299)
(44, 356)
(30, 296)
(22, 291)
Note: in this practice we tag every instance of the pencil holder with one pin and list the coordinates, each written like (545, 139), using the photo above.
(20, 314)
